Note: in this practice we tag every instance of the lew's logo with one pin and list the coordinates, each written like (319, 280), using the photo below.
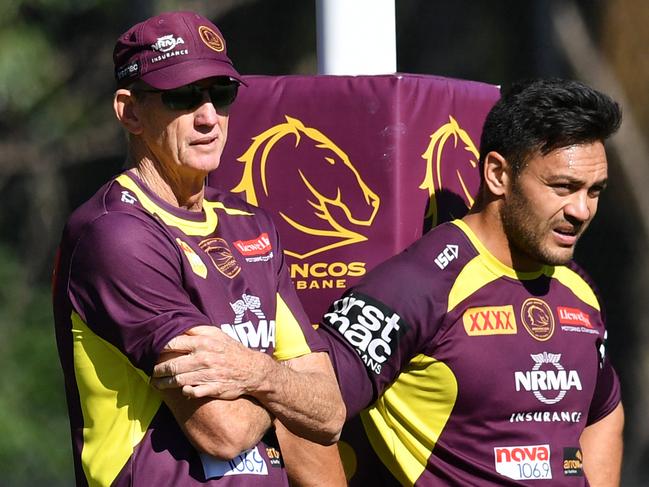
(369, 326)
(490, 320)
(523, 462)
(548, 380)
(326, 199)
(255, 250)
(573, 316)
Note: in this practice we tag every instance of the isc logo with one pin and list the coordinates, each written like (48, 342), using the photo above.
(447, 255)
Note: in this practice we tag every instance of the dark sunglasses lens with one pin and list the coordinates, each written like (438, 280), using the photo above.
(184, 98)
(222, 96)
(191, 96)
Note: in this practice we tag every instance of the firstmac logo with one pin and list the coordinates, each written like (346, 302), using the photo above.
(369, 326)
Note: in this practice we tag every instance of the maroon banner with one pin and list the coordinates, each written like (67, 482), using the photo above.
(353, 169)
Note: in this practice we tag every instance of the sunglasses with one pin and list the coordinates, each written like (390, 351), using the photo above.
(188, 97)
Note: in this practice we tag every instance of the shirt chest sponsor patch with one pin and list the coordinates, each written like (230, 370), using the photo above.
(548, 380)
(490, 320)
(527, 462)
(573, 464)
(249, 462)
(255, 250)
(575, 320)
(197, 265)
(221, 256)
(369, 326)
(256, 332)
(537, 318)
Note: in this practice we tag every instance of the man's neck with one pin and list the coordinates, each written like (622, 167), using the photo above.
(488, 228)
(181, 190)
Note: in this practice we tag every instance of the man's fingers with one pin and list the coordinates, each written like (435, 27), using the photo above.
(180, 344)
(197, 338)
(204, 376)
(185, 363)
(206, 330)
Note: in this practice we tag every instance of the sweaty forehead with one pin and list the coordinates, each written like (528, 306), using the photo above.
(579, 161)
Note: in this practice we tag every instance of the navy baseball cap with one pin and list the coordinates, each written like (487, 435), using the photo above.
(171, 50)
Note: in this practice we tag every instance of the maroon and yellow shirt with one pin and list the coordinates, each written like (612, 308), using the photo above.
(134, 272)
(466, 372)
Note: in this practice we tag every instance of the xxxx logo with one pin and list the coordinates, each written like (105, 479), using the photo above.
(490, 320)
(460, 177)
(303, 177)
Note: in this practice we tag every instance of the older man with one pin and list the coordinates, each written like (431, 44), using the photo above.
(156, 266)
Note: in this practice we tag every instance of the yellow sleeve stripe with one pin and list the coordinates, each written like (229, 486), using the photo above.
(117, 404)
(404, 424)
(289, 339)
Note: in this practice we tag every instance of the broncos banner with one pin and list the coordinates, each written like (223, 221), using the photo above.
(353, 168)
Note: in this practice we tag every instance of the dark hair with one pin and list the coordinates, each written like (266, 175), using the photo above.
(544, 115)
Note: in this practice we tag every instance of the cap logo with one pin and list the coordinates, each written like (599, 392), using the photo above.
(166, 43)
(128, 71)
(211, 38)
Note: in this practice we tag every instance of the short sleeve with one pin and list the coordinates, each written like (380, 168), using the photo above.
(125, 284)
(607, 389)
(373, 331)
(296, 335)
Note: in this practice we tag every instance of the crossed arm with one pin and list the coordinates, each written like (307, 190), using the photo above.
(237, 392)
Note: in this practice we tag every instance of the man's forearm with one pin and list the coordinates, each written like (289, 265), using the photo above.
(601, 445)
(217, 427)
(309, 464)
(303, 394)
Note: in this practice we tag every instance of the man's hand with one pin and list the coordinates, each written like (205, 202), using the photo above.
(207, 362)
(301, 392)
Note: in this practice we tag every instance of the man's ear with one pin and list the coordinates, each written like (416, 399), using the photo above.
(126, 111)
(497, 173)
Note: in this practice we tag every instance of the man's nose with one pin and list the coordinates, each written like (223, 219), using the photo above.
(581, 206)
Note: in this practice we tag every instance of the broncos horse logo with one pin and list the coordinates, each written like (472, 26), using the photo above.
(301, 175)
(459, 183)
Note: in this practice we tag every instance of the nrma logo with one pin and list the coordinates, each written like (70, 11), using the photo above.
(301, 175)
(548, 380)
(258, 332)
